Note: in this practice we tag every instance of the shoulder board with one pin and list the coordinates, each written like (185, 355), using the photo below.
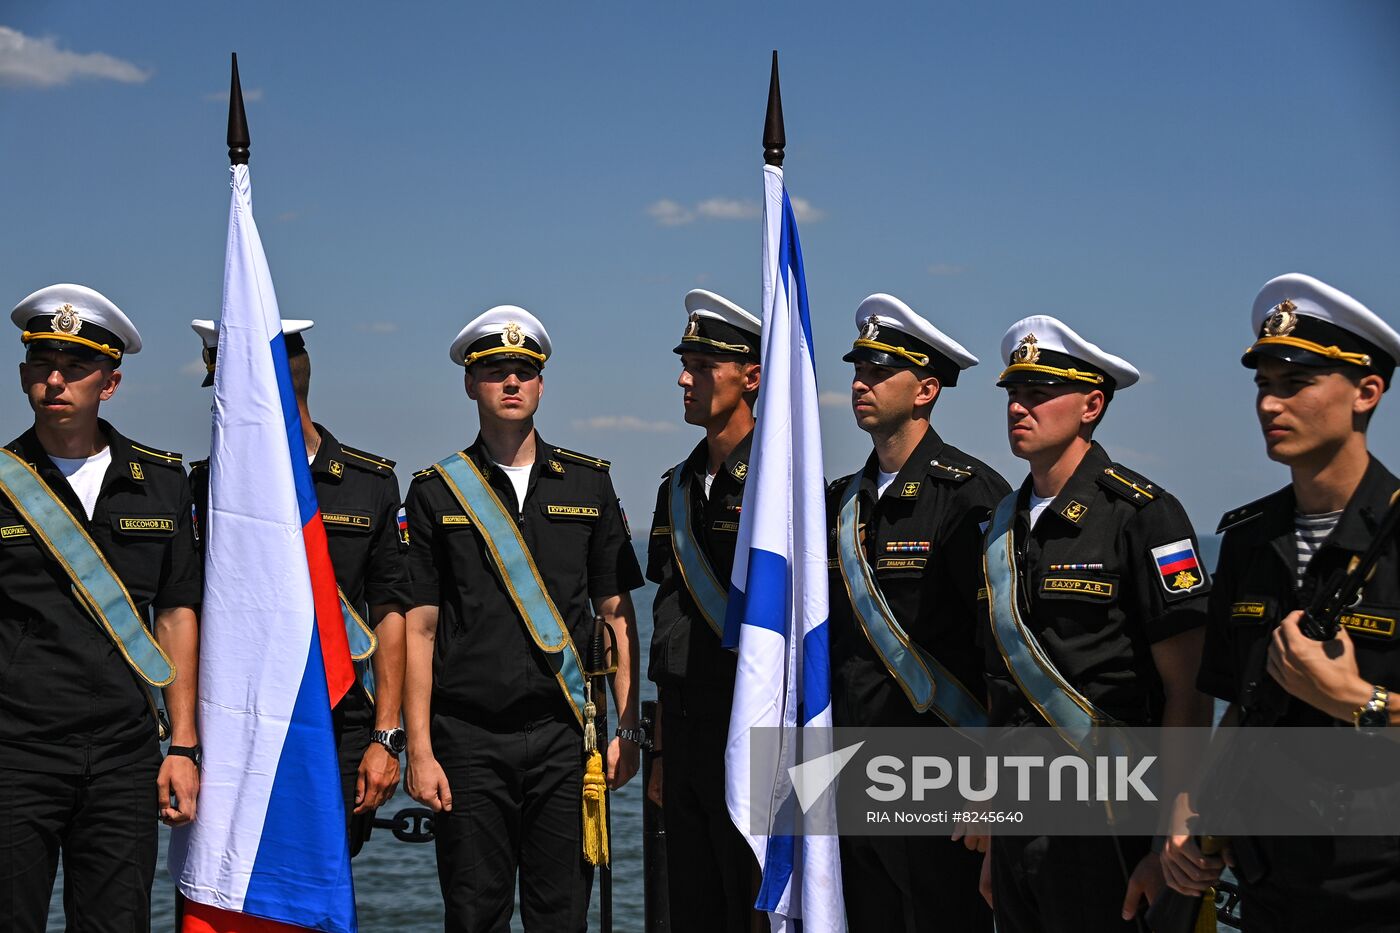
(839, 484)
(1134, 487)
(667, 475)
(425, 472)
(169, 458)
(199, 465)
(953, 472)
(367, 461)
(1241, 515)
(583, 458)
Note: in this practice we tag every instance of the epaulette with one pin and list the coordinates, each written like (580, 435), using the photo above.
(839, 483)
(163, 457)
(372, 463)
(667, 475)
(1134, 487)
(956, 473)
(199, 465)
(429, 471)
(594, 462)
(1241, 515)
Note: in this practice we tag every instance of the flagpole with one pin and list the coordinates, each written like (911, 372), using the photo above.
(238, 141)
(774, 140)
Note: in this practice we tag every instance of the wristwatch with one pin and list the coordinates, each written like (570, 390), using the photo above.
(1376, 713)
(637, 736)
(193, 752)
(392, 739)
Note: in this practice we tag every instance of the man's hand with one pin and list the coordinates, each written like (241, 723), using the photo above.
(427, 784)
(623, 759)
(1323, 674)
(177, 785)
(1145, 882)
(654, 786)
(377, 778)
(1187, 870)
(984, 880)
(975, 842)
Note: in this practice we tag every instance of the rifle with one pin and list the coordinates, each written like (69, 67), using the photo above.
(1264, 703)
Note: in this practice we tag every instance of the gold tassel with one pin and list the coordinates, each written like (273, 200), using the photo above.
(1205, 920)
(595, 811)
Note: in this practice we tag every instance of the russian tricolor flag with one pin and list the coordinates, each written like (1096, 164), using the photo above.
(267, 851)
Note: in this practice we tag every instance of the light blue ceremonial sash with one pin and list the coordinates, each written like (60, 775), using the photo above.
(362, 641)
(927, 684)
(96, 585)
(518, 572)
(697, 574)
(1076, 719)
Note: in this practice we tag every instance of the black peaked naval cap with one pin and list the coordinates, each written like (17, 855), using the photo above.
(718, 326)
(1303, 320)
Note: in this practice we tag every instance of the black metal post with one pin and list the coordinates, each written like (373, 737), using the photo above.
(774, 140)
(656, 902)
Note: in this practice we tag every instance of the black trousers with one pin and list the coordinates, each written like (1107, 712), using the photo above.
(1349, 883)
(104, 826)
(710, 869)
(912, 884)
(516, 807)
(1062, 884)
(352, 740)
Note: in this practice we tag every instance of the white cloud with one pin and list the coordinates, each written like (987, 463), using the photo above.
(830, 399)
(727, 209)
(250, 95)
(193, 368)
(29, 62)
(287, 217)
(805, 212)
(945, 269)
(623, 423)
(377, 327)
(668, 213)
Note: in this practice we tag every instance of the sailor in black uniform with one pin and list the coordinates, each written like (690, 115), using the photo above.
(514, 545)
(1110, 584)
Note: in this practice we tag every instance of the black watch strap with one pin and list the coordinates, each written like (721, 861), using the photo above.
(193, 752)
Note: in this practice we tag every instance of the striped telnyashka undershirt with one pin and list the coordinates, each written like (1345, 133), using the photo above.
(1309, 531)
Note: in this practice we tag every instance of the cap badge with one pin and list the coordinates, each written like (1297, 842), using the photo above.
(870, 328)
(1281, 320)
(512, 335)
(66, 321)
(1026, 351)
(693, 328)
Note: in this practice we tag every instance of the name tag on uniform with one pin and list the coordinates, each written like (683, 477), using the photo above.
(147, 525)
(1250, 612)
(1366, 624)
(458, 519)
(731, 527)
(346, 519)
(901, 563)
(571, 511)
(11, 532)
(1100, 589)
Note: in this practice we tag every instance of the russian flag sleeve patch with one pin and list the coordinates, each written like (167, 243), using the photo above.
(1178, 567)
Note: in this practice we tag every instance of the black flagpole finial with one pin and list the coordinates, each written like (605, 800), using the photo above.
(238, 141)
(773, 139)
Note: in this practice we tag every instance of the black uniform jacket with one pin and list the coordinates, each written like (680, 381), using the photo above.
(1256, 586)
(485, 665)
(69, 702)
(922, 540)
(358, 496)
(1097, 623)
(684, 649)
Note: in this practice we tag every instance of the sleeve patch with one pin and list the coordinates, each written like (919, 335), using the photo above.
(1178, 567)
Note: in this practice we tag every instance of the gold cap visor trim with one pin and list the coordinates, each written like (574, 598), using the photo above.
(103, 348)
(918, 359)
(1073, 374)
(719, 344)
(1332, 352)
(516, 351)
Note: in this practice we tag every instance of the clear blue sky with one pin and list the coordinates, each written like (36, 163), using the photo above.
(1137, 169)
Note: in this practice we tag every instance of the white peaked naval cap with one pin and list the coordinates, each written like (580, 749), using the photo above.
(890, 333)
(1306, 321)
(504, 330)
(1042, 350)
(77, 319)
